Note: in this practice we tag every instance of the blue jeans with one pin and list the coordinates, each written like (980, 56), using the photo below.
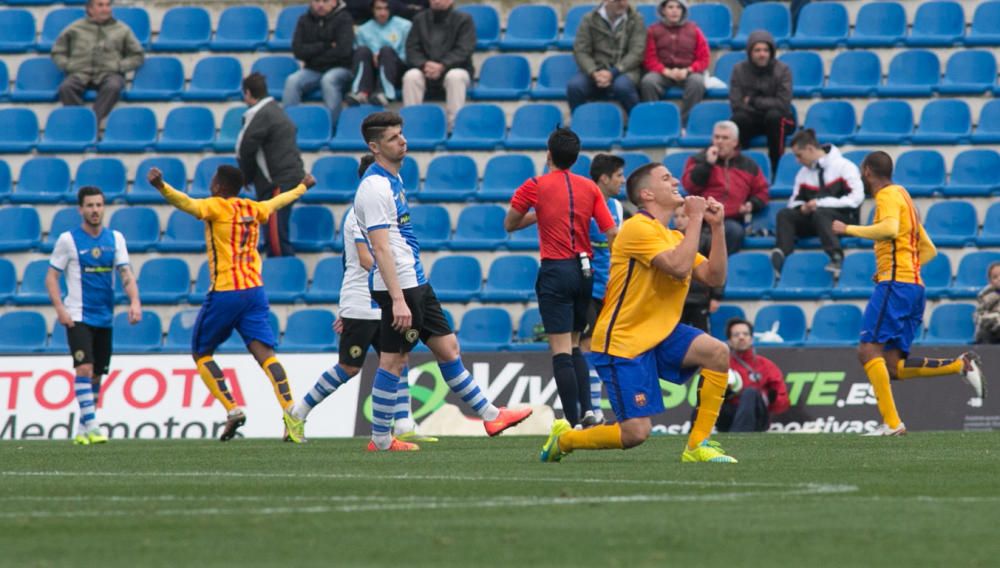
(334, 84)
(581, 88)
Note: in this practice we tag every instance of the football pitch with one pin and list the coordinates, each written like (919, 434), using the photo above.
(927, 499)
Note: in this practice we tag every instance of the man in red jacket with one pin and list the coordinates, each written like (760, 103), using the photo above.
(676, 56)
(759, 393)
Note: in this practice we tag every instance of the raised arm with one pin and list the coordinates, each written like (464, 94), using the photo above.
(176, 198)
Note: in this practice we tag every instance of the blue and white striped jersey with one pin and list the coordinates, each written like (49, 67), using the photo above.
(88, 264)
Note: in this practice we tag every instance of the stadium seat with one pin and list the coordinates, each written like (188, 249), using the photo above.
(974, 173)
(853, 74)
(971, 275)
(201, 285)
(701, 121)
(478, 127)
(424, 126)
(456, 278)
(410, 172)
(22, 332)
(37, 80)
(717, 320)
(139, 225)
(833, 121)
(988, 128)
(284, 29)
(648, 13)
(204, 172)
(32, 291)
(143, 337)
(65, 219)
(18, 130)
(179, 332)
(885, 122)
(184, 233)
(69, 129)
(43, 180)
(503, 175)
(17, 31)
(58, 343)
(652, 124)
(807, 69)
(530, 28)
(763, 162)
(770, 16)
(676, 162)
(503, 77)
(951, 324)
(56, 20)
(856, 273)
(821, 25)
(347, 136)
(879, 24)
(912, 73)
(633, 161)
(327, 280)
(527, 339)
(136, 18)
(971, 72)
(572, 22)
(6, 181)
(835, 325)
(311, 228)
(106, 173)
(936, 275)
(531, 126)
(174, 173)
(336, 180)
(160, 78)
(511, 279)
(184, 28)
(723, 71)
(276, 69)
(524, 239)
(599, 125)
(484, 330)
(4, 82)
(313, 124)
(164, 281)
(487, 24)
(786, 321)
(937, 24)
(750, 276)
(715, 22)
(480, 227)
(432, 225)
(129, 129)
(581, 167)
(284, 279)
(944, 121)
(230, 129)
(554, 75)
(187, 129)
(240, 28)
(921, 172)
(310, 331)
(760, 233)
(215, 78)
(784, 178)
(803, 277)
(951, 223)
(20, 229)
(990, 237)
(985, 28)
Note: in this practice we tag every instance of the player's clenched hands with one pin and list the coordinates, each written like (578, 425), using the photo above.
(839, 228)
(695, 206)
(155, 178)
(308, 181)
(715, 213)
(402, 319)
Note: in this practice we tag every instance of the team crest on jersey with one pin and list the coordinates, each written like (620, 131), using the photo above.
(640, 399)
(78, 355)
(95, 252)
(411, 335)
(355, 351)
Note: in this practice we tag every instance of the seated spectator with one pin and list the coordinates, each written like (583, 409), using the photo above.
(324, 41)
(608, 50)
(439, 50)
(676, 56)
(987, 316)
(757, 391)
(701, 300)
(361, 10)
(380, 50)
(760, 94)
(733, 179)
(95, 52)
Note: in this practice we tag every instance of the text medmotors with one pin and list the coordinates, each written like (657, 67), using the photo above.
(162, 396)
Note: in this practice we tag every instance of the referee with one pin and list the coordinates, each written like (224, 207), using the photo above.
(564, 204)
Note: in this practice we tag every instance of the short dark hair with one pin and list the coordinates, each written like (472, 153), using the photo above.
(377, 123)
(731, 322)
(86, 191)
(806, 137)
(256, 84)
(366, 161)
(638, 180)
(373, 2)
(993, 266)
(564, 147)
(605, 165)
(879, 163)
(230, 179)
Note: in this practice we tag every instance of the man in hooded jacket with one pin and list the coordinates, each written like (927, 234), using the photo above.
(676, 56)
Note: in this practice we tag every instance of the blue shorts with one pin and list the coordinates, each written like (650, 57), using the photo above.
(894, 315)
(245, 311)
(634, 384)
(564, 295)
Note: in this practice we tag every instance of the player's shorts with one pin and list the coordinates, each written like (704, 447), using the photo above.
(245, 311)
(358, 336)
(90, 345)
(428, 319)
(563, 295)
(894, 315)
(593, 310)
(634, 384)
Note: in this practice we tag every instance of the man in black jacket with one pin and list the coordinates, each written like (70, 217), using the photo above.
(324, 41)
(269, 158)
(439, 49)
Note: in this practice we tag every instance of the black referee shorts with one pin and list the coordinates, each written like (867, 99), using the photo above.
(90, 345)
(358, 336)
(563, 295)
(428, 319)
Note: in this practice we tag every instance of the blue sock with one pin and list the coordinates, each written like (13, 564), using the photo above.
(85, 397)
(383, 403)
(327, 384)
(461, 383)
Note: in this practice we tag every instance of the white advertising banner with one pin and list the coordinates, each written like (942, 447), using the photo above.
(162, 396)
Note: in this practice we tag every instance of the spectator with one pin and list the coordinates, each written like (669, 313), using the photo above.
(701, 300)
(760, 94)
(987, 315)
(758, 393)
(676, 56)
(95, 52)
(828, 187)
(379, 52)
(608, 50)
(324, 41)
(269, 158)
(439, 49)
(735, 180)
(361, 10)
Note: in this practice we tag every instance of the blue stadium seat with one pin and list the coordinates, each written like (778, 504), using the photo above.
(821, 25)
(32, 291)
(912, 73)
(937, 24)
(511, 279)
(37, 80)
(717, 320)
(652, 124)
(835, 325)
(879, 24)
(478, 127)
(410, 172)
(648, 12)
(525, 340)
(65, 219)
(6, 181)
(348, 133)
(17, 31)
(715, 21)
(230, 129)
(951, 324)
(988, 128)
(313, 124)
(770, 16)
(451, 177)
(457, 278)
(855, 280)
(487, 24)
(784, 178)
(336, 180)
(69, 129)
(284, 279)
(974, 173)
(20, 229)
(201, 184)
(990, 237)
(530, 28)
(803, 277)
(480, 227)
(310, 331)
(503, 77)
(179, 332)
(432, 225)
(56, 20)
(554, 75)
(327, 279)
(276, 69)
(160, 78)
(485, 330)
(184, 233)
(215, 78)
(311, 228)
(18, 130)
(633, 161)
(701, 122)
(971, 72)
(424, 126)
(599, 125)
(760, 233)
(22, 332)
(201, 285)
(951, 223)
(139, 225)
(524, 239)
(572, 22)
(4, 82)
(106, 173)
(184, 28)
(786, 320)
(676, 162)
(284, 29)
(129, 129)
(807, 69)
(971, 275)
(143, 337)
(504, 173)
(750, 276)
(187, 129)
(136, 18)
(985, 28)
(833, 121)
(763, 162)
(531, 126)
(43, 180)
(58, 343)
(936, 275)
(723, 70)
(885, 122)
(921, 172)
(856, 156)
(853, 74)
(581, 167)
(174, 173)
(164, 281)
(944, 121)
(240, 28)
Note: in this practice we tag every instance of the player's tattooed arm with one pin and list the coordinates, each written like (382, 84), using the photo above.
(131, 288)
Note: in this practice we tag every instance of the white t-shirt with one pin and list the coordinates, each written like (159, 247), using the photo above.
(355, 298)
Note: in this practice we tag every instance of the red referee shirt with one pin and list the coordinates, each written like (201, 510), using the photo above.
(564, 203)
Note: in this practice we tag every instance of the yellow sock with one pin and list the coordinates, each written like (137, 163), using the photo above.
(213, 378)
(878, 376)
(275, 372)
(713, 388)
(927, 367)
(604, 437)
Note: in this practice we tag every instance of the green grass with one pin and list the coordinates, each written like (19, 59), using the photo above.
(929, 499)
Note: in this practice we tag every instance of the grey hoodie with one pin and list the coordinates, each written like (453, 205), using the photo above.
(769, 87)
